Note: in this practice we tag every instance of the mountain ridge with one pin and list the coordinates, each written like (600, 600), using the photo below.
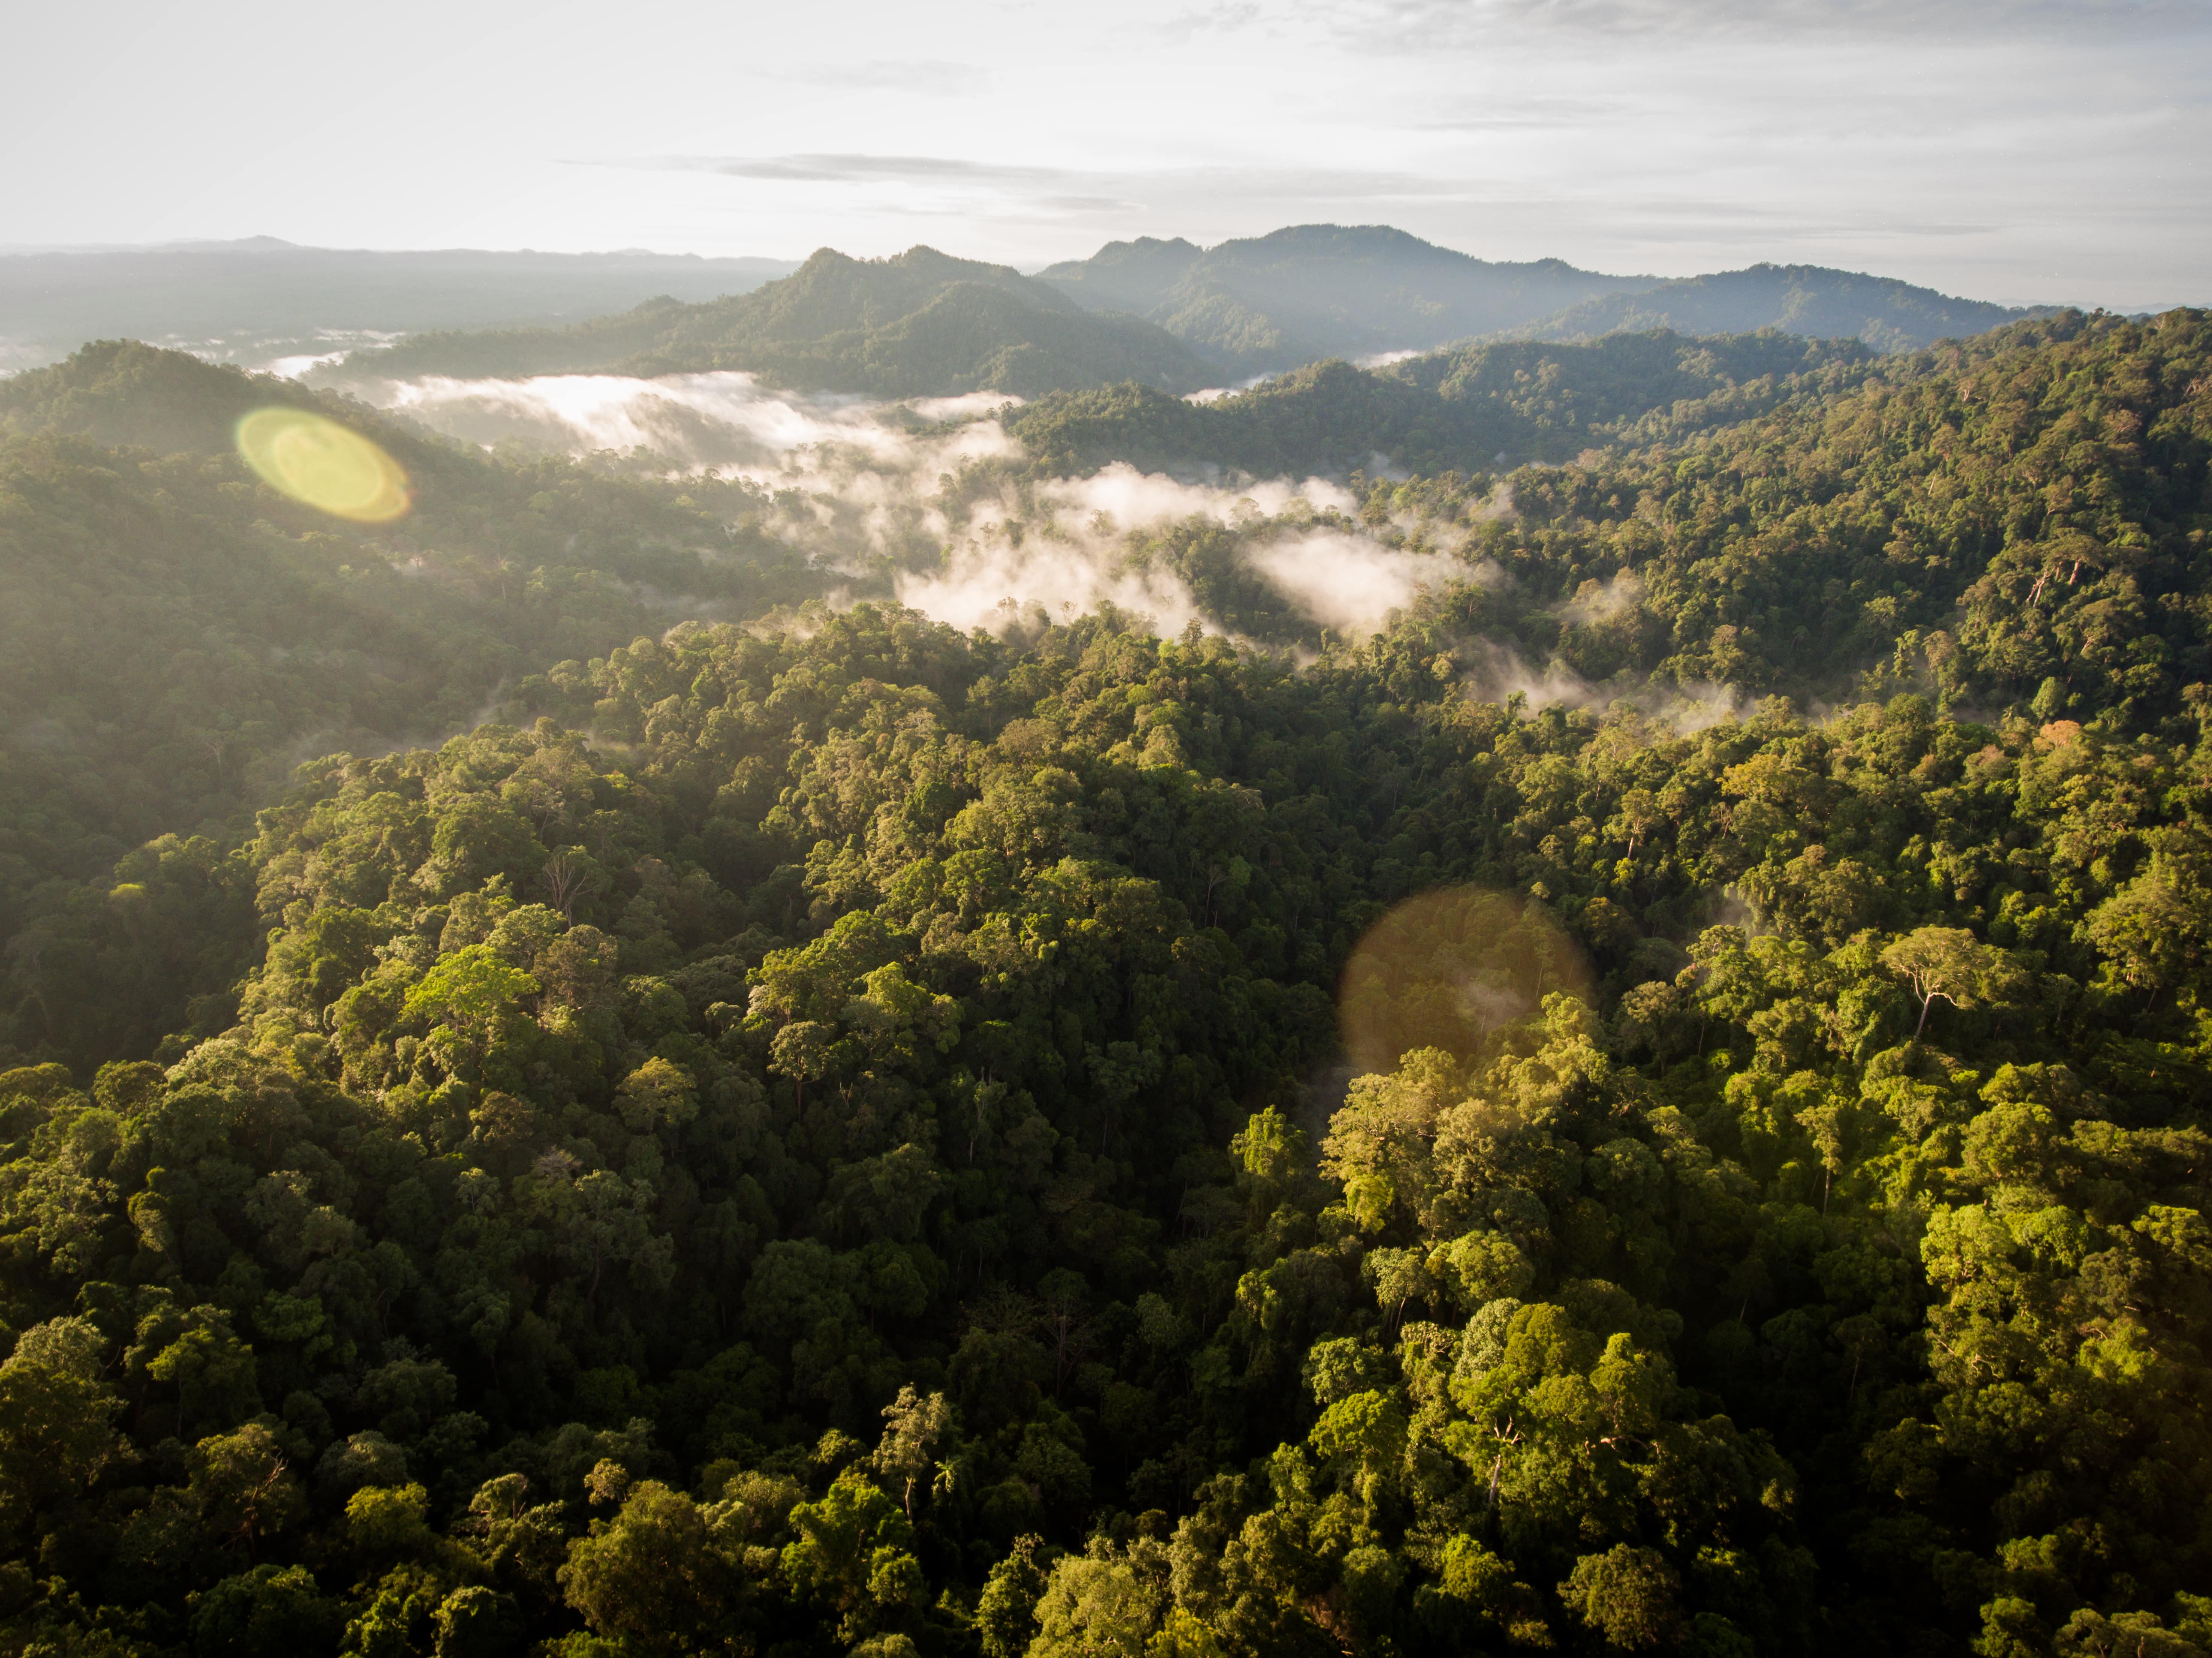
(258, 298)
(1176, 317)
(921, 322)
(1818, 300)
(1306, 292)
(1261, 305)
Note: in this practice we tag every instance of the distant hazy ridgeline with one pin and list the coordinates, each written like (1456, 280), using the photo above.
(1171, 316)
(1268, 303)
(250, 301)
(1798, 298)
(921, 325)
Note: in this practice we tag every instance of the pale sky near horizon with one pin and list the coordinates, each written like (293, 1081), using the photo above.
(2018, 150)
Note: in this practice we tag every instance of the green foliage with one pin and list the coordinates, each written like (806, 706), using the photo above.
(269, 1612)
(178, 635)
(651, 1576)
(834, 1133)
(1471, 409)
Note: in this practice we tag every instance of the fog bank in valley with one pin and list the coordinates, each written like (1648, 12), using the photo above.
(930, 501)
(904, 497)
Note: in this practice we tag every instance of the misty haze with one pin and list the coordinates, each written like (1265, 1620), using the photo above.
(1246, 831)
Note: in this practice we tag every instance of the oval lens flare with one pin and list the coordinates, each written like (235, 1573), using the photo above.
(332, 468)
(1446, 969)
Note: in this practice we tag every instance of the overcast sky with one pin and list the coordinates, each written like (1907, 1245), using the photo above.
(2005, 149)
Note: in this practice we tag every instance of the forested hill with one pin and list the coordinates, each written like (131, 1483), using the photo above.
(1478, 409)
(921, 324)
(176, 637)
(830, 1134)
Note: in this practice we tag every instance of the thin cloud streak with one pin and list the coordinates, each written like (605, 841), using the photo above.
(921, 74)
(1390, 25)
(1112, 189)
(846, 169)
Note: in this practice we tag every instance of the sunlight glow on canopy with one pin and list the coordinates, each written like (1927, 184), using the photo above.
(332, 468)
(1447, 968)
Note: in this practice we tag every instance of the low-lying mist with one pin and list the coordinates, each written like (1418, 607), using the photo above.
(931, 501)
(723, 423)
(928, 500)
(1493, 672)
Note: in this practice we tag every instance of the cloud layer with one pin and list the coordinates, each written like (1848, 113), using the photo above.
(904, 496)
(722, 421)
(927, 502)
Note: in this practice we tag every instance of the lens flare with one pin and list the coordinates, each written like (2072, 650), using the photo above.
(1444, 969)
(332, 468)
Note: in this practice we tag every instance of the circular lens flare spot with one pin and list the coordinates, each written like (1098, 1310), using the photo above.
(1447, 968)
(332, 468)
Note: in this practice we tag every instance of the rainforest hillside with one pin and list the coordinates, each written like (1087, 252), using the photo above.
(177, 639)
(1478, 409)
(1977, 516)
(819, 1132)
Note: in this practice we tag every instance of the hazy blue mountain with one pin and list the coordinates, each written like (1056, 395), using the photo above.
(1298, 294)
(1266, 303)
(1798, 298)
(922, 323)
(261, 298)
(1170, 315)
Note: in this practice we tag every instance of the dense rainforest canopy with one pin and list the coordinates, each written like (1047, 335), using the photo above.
(816, 1132)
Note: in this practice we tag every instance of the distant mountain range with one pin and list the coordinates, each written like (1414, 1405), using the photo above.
(1274, 302)
(1167, 315)
(252, 301)
(1797, 299)
(1268, 303)
(919, 325)
(1175, 317)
